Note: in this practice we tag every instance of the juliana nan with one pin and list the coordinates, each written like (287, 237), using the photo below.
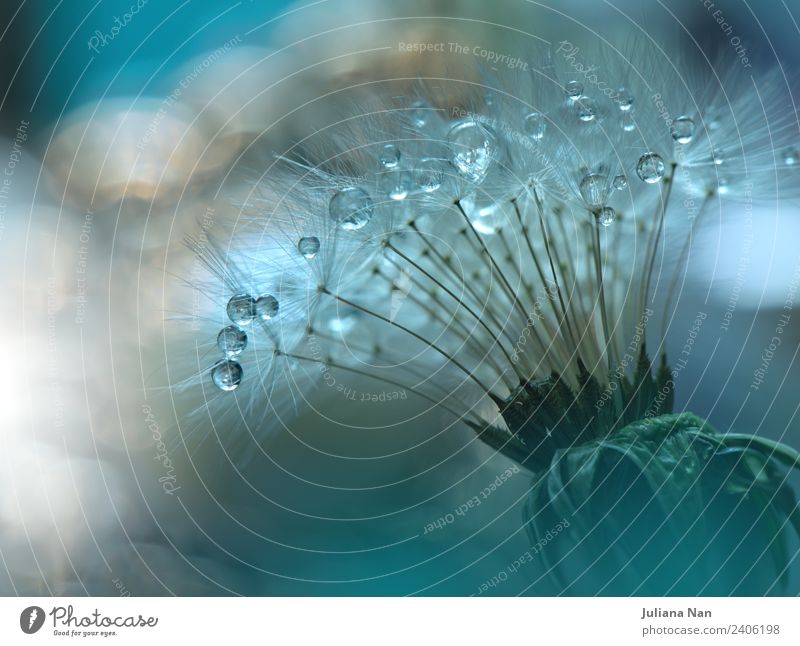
(690, 612)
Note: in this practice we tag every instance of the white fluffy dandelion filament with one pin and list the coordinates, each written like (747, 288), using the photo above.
(416, 245)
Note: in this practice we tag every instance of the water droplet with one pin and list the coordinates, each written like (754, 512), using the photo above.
(227, 375)
(586, 109)
(628, 122)
(231, 340)
(308, 247)
(620, 182)
(574, 90)
(624, 99)
(241, 309)
(389, 156)
(483, 212)
(682, 130)
(428, 174)
(593, 189)
(717, 157)
(419, 112)
(473, 149)
(351, 208)
(606, 216)
(650, 168)
(722, 186)
(395, 183)
(791, 157)
(266, 307)
(535, 125)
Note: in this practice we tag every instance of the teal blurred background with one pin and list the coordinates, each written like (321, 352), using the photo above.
(301, 521)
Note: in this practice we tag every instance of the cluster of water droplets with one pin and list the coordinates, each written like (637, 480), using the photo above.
(597, 188)
(243, 310)
(575, 144)
(577, 115)
(474, 150)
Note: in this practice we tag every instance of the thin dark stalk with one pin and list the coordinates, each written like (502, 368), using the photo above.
(503, 280)
(681, 262)
(656, 237)
(546, 236)
(598, 267)
(437, 255)
(457, 299)
(469, 374)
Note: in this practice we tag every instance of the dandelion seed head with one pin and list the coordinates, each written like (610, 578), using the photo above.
(491, 257)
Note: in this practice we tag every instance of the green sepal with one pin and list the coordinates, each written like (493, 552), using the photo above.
(667, 506)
